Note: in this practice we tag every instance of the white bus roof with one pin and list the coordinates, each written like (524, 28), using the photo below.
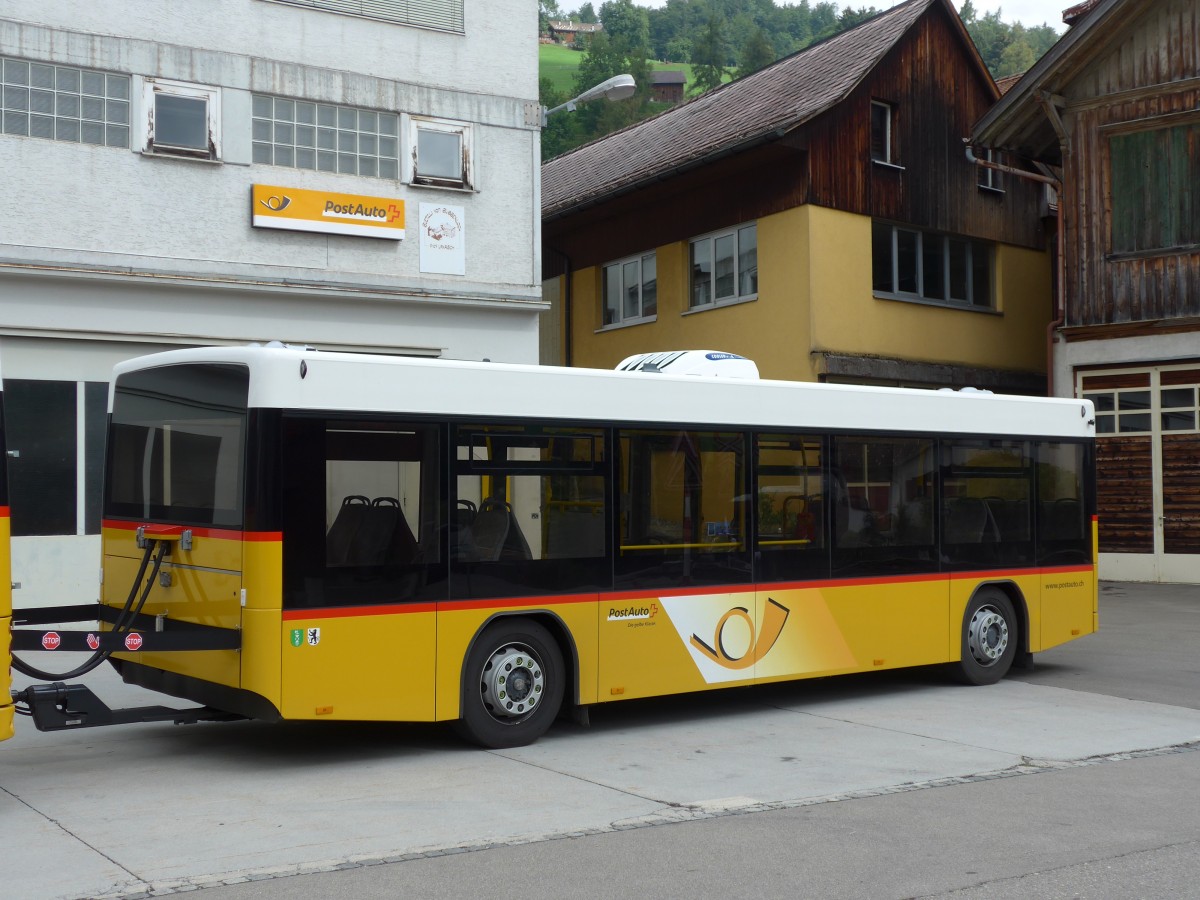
(407, 385)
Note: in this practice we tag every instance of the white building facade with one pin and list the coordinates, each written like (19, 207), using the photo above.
(352, 176)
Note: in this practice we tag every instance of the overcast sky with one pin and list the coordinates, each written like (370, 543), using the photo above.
(1027, 12)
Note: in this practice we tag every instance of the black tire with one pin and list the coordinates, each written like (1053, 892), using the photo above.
(512, 685)
(990, 635)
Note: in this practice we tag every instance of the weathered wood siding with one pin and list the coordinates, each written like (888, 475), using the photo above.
(1150, 80)
(937, 93)
(1123, 494)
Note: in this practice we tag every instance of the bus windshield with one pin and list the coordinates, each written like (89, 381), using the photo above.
(177, 445)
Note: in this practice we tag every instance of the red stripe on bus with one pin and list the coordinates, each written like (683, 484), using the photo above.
(617, 596)
(227, 534)
(345, 612)
(867, 581)
(4, 512)
(512, 602)
(700, 589)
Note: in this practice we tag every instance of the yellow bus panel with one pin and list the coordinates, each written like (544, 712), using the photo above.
(372, 664)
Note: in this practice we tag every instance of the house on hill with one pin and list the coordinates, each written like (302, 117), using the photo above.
(1115, 106)
(667, 85)
(573, 32)
(819, 216)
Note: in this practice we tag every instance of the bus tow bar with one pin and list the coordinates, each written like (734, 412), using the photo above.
(59, 706)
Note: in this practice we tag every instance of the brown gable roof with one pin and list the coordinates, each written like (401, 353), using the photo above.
(1003, 85)
(758, 107)
(668, 76)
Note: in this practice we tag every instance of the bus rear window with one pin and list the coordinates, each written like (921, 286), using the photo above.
(177, 445)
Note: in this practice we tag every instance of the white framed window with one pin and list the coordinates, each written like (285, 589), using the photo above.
(441, 153)
(991, 179)
(328, 138)
(440, 15)
(881, 133)
(630, 290)
(910, 264)
(182, 119)
(63, 103)
(723, 267)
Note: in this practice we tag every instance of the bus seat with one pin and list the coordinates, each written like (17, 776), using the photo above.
(1062, 519)
(462, 543)
(402, 549)
(915, 522)
(496, 533)
(1011, 518)
(968, 522)
(490, 528)
(375, 533)
(340, 539)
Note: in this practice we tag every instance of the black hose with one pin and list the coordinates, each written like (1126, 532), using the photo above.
(126, 611)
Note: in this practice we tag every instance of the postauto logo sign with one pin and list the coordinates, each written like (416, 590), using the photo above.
(297, 209)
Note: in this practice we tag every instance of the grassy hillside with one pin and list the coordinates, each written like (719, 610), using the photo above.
(559, 64)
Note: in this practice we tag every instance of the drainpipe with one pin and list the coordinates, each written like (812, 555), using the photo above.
(1050, 104)
(1057, 316)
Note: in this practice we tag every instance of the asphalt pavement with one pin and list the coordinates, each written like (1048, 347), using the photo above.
(1076, 779)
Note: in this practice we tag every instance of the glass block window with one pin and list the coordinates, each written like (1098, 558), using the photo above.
(305, 135)
(62, 103)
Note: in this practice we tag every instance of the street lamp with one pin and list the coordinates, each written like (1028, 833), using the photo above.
(618, 87)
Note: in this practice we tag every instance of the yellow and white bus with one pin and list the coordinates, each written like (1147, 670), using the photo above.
(352, 537)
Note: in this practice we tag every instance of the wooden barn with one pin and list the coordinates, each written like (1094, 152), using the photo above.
(1115, 108)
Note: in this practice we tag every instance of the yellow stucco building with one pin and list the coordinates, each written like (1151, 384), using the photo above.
(818, 218)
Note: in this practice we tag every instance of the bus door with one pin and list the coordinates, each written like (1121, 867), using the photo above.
(797, 633)
(887, 590)
(683, 611)
(364, 565)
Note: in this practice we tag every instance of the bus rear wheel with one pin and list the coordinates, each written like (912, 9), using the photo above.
(989, 638)
(513, 685)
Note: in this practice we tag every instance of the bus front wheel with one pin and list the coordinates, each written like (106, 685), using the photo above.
(513, 685)
(989, 638)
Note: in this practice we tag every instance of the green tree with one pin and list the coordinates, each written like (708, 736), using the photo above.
(559, 134)
(756, 54)
(627, 23)
(849, 17)
(678, 49)
(709, 53)
(548, 11)
(587, 14)
(1016, 58)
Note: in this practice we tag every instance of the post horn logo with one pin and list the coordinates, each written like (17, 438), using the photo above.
(774, 618)
(276, 204)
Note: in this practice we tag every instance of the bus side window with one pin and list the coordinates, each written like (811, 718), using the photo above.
(1063, 535)
(986, 488)
(790, 509)
(531, 512)
(684, 513)
(882, 494)
(365, 524)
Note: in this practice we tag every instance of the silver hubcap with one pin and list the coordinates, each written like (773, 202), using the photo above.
(987, 635)
(513, 682)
